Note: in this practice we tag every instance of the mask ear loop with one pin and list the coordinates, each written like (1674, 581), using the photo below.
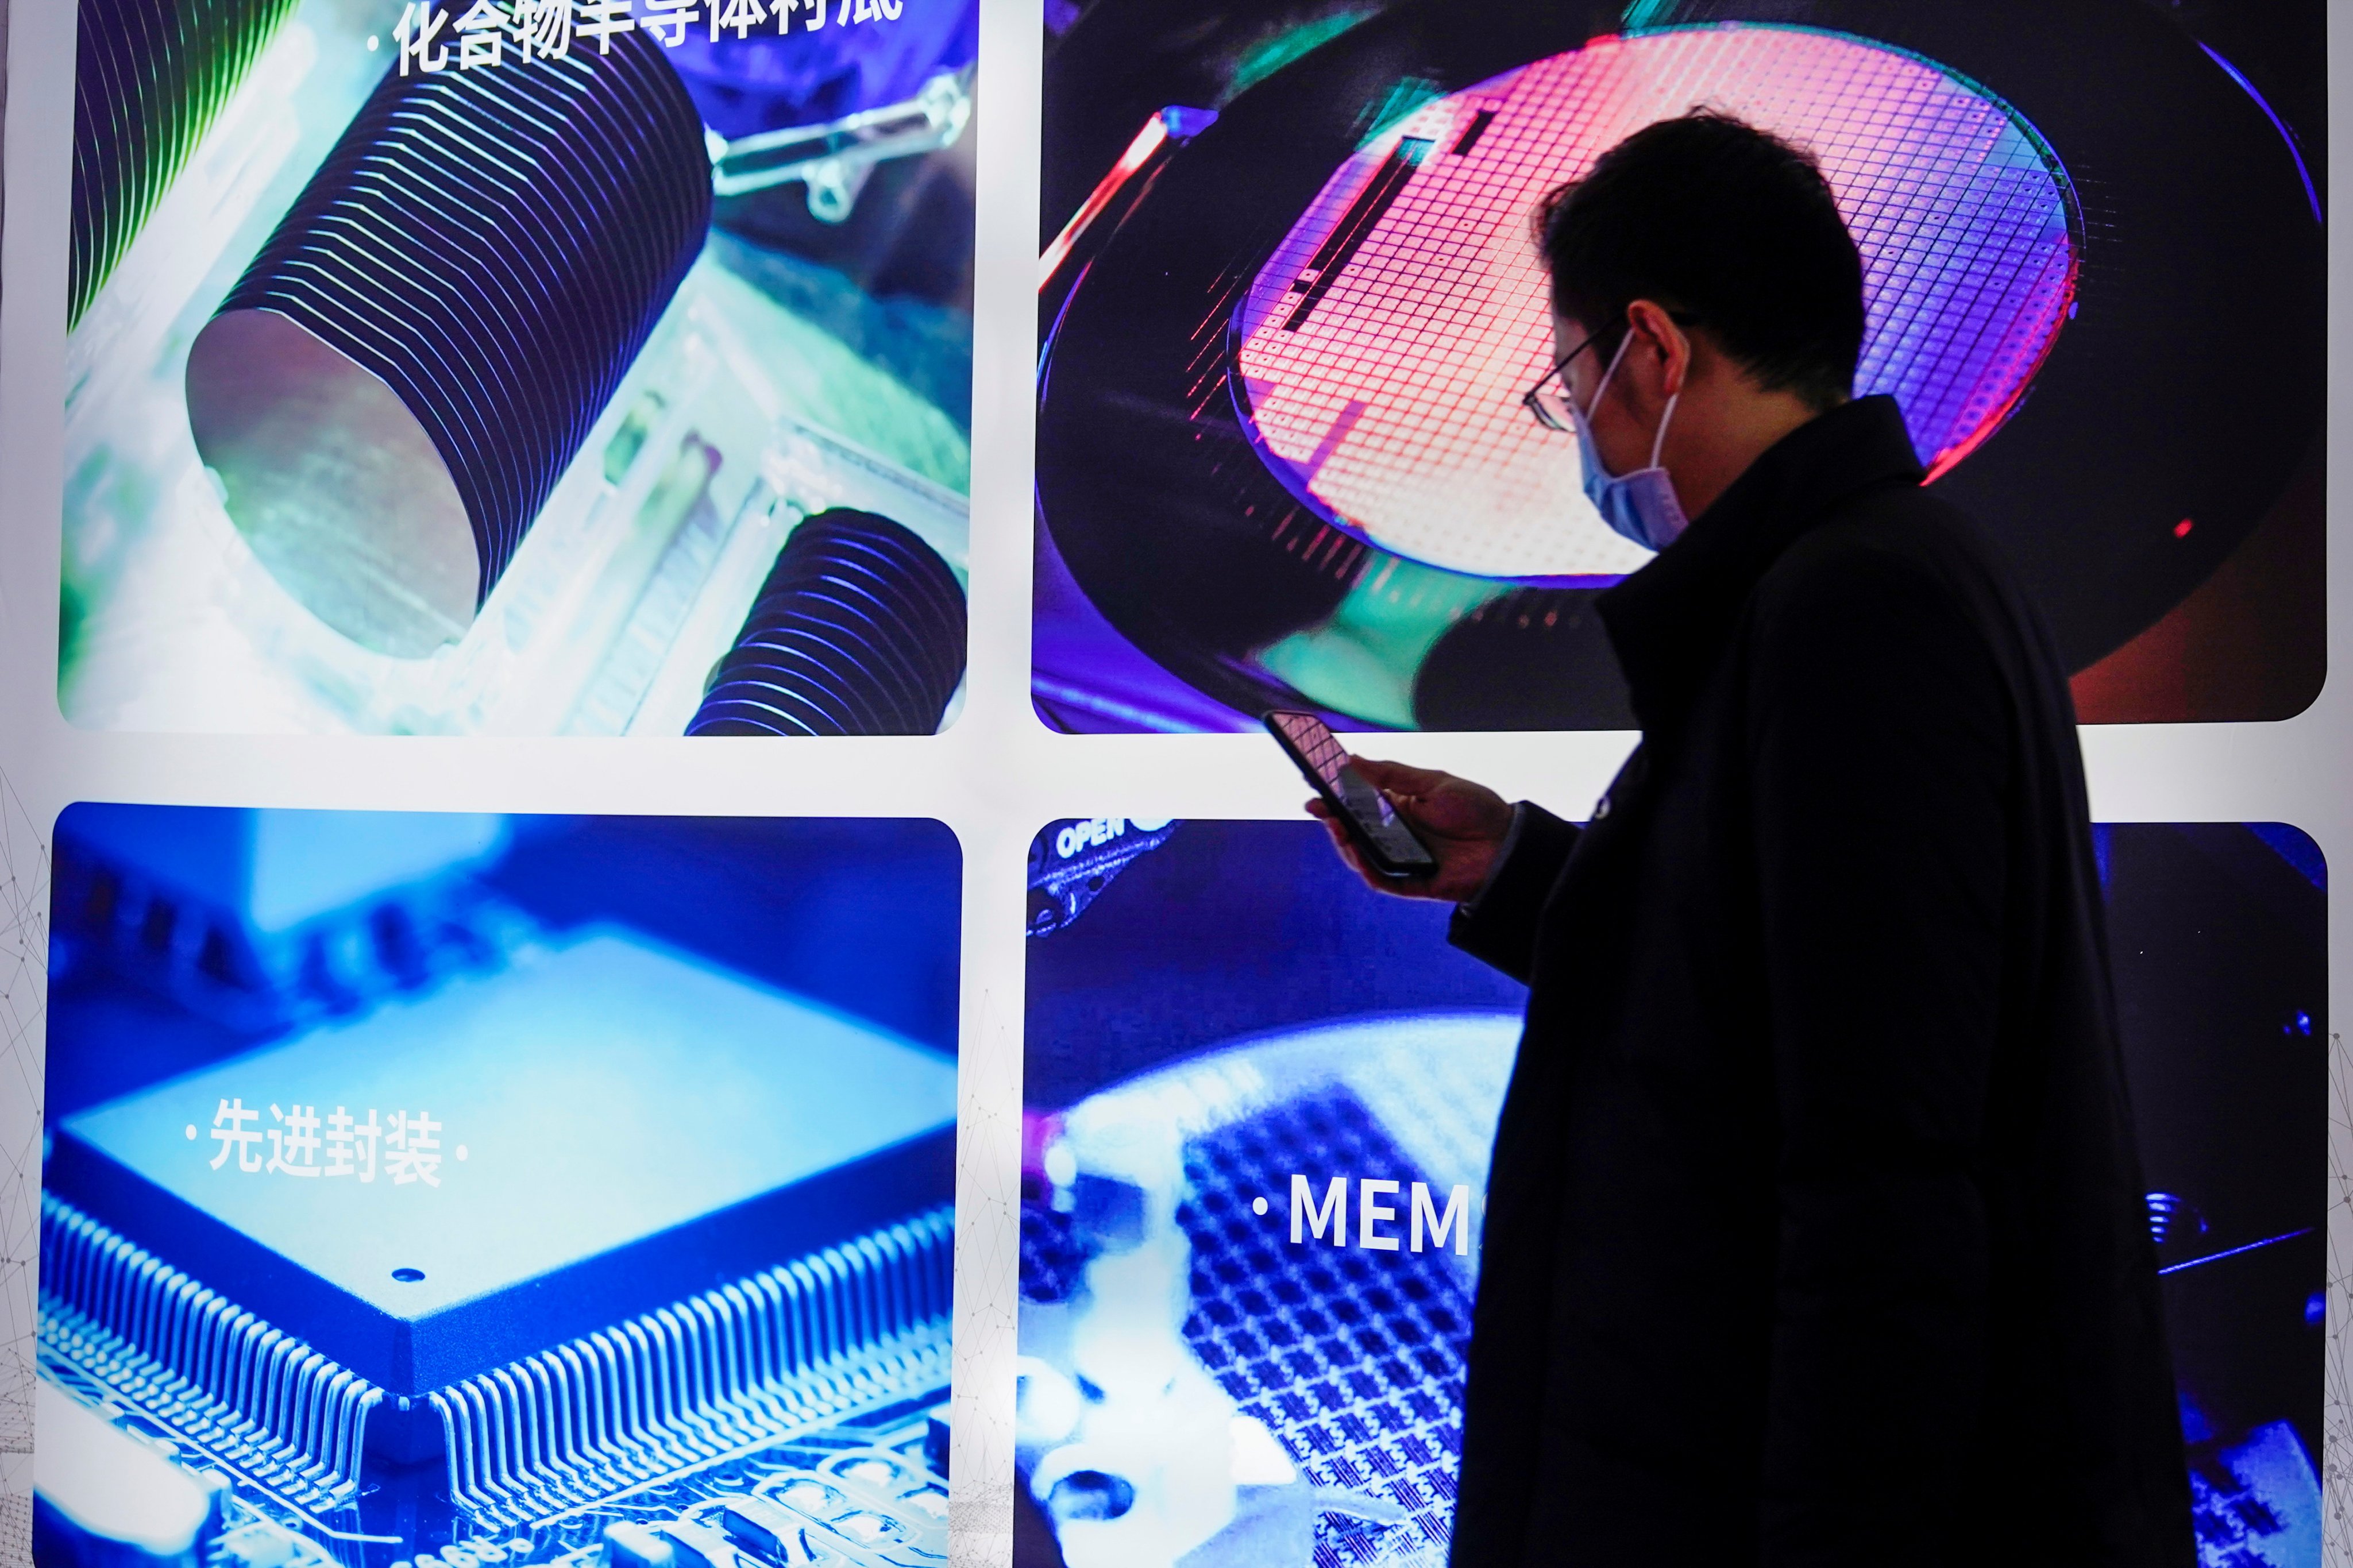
(1602, 391)
(1660, 444)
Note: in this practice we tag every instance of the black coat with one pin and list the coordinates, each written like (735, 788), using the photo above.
(1815, 1234)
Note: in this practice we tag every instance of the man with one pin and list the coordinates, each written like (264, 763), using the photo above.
(1814, 1233)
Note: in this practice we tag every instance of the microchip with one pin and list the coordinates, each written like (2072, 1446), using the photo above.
(600, 1129)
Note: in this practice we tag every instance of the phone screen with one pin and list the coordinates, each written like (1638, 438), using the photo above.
(1320, 755)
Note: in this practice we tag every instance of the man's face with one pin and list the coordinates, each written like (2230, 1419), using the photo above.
(1623, 444)
(1583, 374)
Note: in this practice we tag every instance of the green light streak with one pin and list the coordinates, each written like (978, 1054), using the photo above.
(1404, 98)
(1270, 54)
(1362, 661)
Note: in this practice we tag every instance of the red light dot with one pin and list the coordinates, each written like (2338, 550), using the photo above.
(2181, 530)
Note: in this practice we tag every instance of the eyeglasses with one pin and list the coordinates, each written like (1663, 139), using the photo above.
(1549, 399)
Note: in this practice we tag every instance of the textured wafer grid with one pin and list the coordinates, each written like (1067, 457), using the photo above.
(1394, 403)
(1352, 1358)
(1321, 748)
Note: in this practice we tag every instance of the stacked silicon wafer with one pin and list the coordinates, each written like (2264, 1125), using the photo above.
(149, 77)
(859, 630)
(495, 245)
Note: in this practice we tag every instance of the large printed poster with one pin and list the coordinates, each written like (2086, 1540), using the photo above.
(472, 1190)
(1258, 1106)
(519, 368)
(438, 1139)
(1289, 303)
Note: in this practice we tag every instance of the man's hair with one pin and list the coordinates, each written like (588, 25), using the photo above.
(1710, 216)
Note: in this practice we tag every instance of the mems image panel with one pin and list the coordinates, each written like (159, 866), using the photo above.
(1258, 1101)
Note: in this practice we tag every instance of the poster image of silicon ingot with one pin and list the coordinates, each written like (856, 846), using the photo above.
(1257, 1107)
(472, 369)
(519, 1189)
(543, 214)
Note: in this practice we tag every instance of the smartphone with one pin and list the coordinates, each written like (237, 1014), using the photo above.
(1376, 830)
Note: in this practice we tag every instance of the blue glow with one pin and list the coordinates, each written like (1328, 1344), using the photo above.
(2286, 135)
(2271, 1518)
(2296, 847)
(2235, 1251)
(279, 869)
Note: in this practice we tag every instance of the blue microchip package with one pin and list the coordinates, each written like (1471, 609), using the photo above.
(516, 1159)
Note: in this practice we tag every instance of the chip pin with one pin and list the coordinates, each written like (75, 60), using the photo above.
(676, 1387)
(167, 1345)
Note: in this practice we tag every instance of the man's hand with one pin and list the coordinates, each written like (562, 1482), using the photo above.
(1463, 823)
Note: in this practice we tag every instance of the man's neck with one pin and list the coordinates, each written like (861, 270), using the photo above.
(1741, 426)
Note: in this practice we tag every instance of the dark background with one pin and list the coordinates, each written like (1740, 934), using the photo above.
(1232, 928)
(1111, 63)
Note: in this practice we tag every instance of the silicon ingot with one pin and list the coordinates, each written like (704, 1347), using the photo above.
(859, 630)
(149, 78)
(393, 387)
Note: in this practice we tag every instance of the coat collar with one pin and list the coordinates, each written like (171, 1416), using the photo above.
(1670, 620)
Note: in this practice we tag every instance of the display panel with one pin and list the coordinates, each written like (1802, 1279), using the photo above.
(497, 369)
(1258, 1102)
(425, 1188)
(1282, 458)
(1382, 349)
(385, 435)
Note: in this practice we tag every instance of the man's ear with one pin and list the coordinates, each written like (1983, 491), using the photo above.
(1676, 348)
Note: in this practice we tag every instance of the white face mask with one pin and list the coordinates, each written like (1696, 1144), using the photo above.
(1641, 506)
